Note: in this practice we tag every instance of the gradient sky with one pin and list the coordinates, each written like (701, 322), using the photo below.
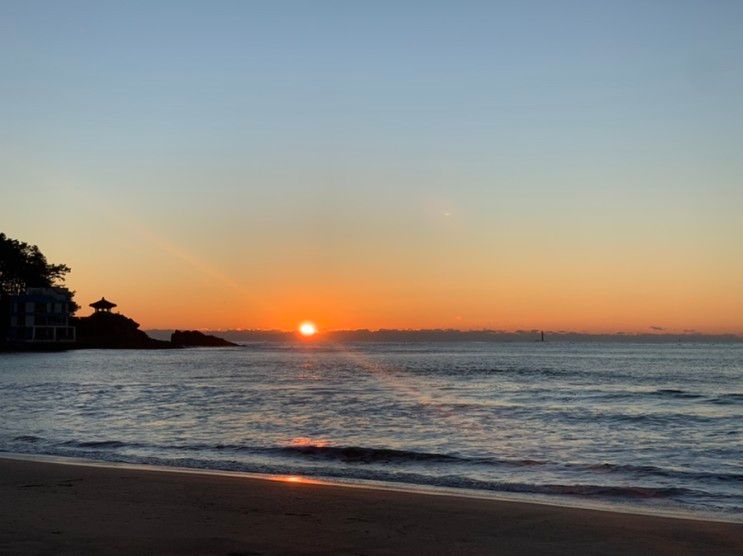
(556, 165)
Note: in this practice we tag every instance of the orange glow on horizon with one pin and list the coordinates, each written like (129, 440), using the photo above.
(402, 283)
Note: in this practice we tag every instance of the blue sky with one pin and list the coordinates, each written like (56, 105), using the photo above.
(319, 127)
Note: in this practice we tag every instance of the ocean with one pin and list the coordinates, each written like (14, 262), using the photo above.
(646, 427)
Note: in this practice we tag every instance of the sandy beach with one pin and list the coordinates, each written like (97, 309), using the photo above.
(52, 508)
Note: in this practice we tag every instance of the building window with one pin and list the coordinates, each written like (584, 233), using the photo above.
(44, 333)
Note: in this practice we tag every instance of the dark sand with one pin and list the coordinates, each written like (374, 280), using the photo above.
(50, 508)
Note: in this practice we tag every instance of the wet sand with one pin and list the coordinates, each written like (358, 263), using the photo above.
(52, 508)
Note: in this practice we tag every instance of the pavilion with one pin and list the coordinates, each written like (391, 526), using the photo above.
(103, 305)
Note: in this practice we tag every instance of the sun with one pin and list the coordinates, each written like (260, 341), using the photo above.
(307, 329)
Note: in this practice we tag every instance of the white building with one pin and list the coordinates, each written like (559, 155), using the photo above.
(41, 315)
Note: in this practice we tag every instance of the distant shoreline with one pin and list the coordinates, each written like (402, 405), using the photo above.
(451, 335)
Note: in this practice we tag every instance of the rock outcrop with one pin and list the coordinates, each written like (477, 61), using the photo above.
(194, 338)
(113, 331)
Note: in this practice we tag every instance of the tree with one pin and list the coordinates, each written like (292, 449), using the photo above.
(24, 266)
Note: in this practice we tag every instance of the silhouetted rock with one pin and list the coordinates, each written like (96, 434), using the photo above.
(194, 338)
(114, 331)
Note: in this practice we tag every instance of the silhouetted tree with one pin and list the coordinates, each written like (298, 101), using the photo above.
(24, 266)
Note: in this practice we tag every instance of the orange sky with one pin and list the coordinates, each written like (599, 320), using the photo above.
(446, 270)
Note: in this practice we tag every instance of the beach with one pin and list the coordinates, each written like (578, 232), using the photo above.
(55, 508)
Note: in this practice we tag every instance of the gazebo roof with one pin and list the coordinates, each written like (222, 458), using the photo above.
(103, 303)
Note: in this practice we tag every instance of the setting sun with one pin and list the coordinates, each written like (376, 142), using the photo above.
(307, 329)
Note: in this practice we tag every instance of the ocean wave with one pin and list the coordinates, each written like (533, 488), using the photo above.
(655, 471)
(27, 438)
(364, 455)
(667, 394)
(102, 444)
(676, 393)
(726, 399)
(582, 415)
(729, 398)
(360, 454)
(356, 454)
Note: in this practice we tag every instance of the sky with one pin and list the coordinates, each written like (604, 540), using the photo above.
(508, 165)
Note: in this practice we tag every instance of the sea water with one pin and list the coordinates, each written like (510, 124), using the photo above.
(651, 426)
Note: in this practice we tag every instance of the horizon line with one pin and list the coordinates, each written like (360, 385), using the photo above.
(493, 331)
